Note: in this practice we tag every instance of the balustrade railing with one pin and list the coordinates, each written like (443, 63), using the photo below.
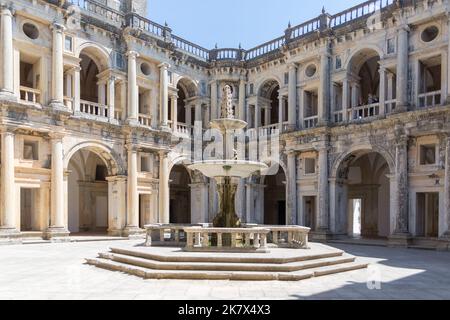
(145, 120)
(30, 95)
(289, 236)
(360, 11)
(138, 22)
(304, 29)
(190, 48)
(94, 109)
(390, 106)
(338, 116)
(101, 9)
(310, 122)
(265, 48)
(216, 239)
(270, 129)
(68, 102)
(364, 112)
(429, 99)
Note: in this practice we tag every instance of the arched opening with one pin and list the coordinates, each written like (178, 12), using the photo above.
(180, 195)
(365, 192)
(181, 105)
(364, 84)
(93, 95)
(269, 99)
(275, 199)
(183, 111)
(87, 193)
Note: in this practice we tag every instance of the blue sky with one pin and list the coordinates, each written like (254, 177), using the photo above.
(230, 22)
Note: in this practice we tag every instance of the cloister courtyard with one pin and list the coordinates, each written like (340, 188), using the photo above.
(58, 271)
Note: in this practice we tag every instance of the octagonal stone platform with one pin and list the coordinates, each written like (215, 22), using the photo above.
(174, 263)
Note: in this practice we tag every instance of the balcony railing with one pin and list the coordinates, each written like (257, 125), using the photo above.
(364, 112)
(145, 120)
(30, 95)
(190, 48)
(390, 106)
(310, 122)
(360, 11)
(183, 129)
(94, 109)
(265, 48)
(270, 129)
(429, 99)
(97, 8)
(305, 28)
(338, 116)
(68, 102)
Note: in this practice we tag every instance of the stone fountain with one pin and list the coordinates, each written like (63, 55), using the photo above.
(228, 171)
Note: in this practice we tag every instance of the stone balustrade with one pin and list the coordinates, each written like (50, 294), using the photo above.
(289, 236)
(166, 234)
(215, 239)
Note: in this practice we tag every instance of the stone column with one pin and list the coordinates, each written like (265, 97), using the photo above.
(447, 188)
(164, 214)
(57, 227)
(292, 189)
(133, 94)
(323, 221)
(58, 66)
(214, 97)
(250, 207)
(242, 97)
(292, 94)
(345, 99)
(257, 115)
(132, 225)
(198, 112)
(400, 208)
(280, 112)
(111, 98)
(199, 202)
(8, 186)
(390, 89)
(382, 90)
(76, 89)
(164, 95)
(188, 114)
(301, 113)
(402, 69)
(117, 207)
(324, 96)
(7, 53)
(174, 112)
(101, 84)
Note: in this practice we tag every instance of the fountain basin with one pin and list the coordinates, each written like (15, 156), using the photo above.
(226, 125)
(228, 168)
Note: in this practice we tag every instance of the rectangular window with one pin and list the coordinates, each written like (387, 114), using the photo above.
(251, 88)
(30, 150)
(310, 166)
(68, 43)
(145, 164)
(427, 155)
(338, 62)
(390, 46)
(286, 78)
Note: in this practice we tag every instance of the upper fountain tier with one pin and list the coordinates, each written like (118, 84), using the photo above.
(228, 167)
(227, 122)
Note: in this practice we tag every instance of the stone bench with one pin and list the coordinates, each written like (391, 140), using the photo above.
(215, 239)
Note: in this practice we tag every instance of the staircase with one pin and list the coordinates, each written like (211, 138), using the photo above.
(280, 264)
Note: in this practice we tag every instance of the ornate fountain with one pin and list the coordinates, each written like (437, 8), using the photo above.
(229, 171)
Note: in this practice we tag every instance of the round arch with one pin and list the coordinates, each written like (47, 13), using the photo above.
(189, 86)
(98, 54)
(366, 50)
(105, 153)
(266, 86)
(361, 150)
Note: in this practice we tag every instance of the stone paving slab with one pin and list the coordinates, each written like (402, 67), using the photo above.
(57, 271)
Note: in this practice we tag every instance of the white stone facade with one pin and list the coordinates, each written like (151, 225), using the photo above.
(94, 97)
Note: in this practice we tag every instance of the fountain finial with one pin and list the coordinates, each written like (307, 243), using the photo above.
(227, 103)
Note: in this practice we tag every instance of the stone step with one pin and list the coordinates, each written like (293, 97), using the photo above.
(215, 266)
(222, 258)
(222, 275)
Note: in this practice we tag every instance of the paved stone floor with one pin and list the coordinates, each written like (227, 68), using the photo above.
(57, 271)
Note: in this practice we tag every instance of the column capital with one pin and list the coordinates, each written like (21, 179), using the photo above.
(292, 66)
(7, 130)
(132, 147)
(164, 65)
(403, 27)
(55, 136)
(57, 27)
(132, 54)
(116, 178)
(6, 10)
